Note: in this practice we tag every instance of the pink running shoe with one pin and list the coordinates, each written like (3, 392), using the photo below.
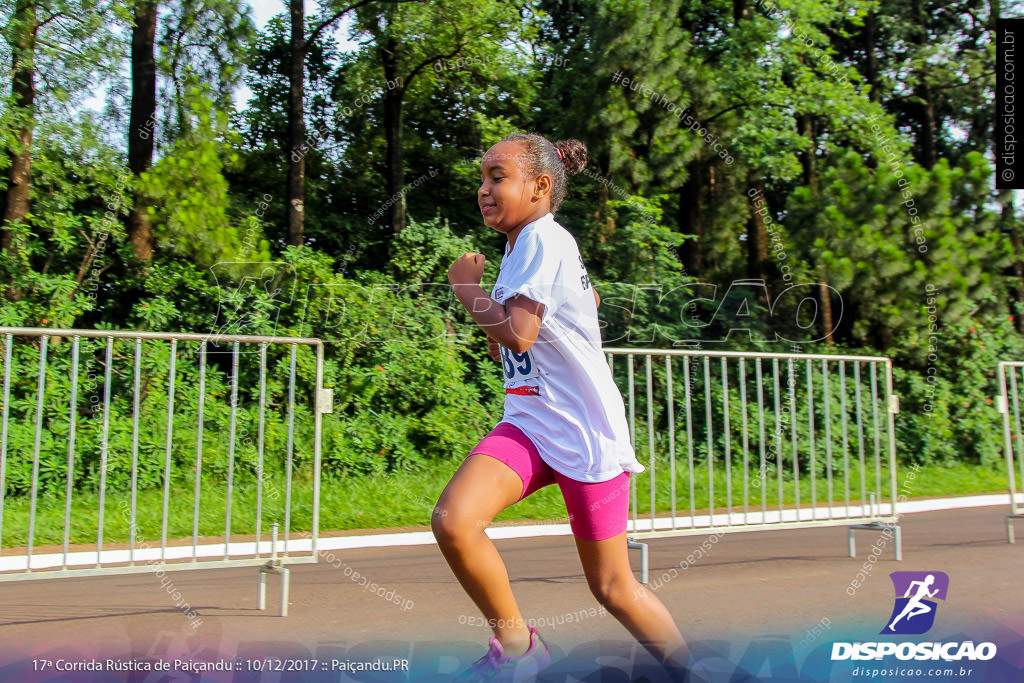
(495, 666)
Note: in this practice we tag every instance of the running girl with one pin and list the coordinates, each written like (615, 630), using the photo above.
(564, 420)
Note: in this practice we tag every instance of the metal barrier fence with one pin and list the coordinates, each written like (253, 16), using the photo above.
(765, 438)
(1008, 403)
(85, 458)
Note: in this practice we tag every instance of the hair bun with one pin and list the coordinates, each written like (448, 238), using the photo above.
(573, 154)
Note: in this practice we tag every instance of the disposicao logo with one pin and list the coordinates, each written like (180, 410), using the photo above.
(913, 614)
(914, 611)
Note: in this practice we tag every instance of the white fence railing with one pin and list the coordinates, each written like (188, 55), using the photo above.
(1011, 377)
(738, 441)
(77, 444)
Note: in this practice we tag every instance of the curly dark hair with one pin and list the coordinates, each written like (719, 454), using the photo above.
(557, 159)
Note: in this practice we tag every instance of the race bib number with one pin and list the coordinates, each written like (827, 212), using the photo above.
(518, 366)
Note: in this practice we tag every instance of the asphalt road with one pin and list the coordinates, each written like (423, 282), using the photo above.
(791, 588)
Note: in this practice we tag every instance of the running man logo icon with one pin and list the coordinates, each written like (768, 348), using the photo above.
(914, 611)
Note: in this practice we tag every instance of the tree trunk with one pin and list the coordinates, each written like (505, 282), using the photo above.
(19, 173)
(870, 60)
(809, 161)
(1008, 220)
(757, 241)
(142, 123)
(296, 124)
(689, 220)
(739, 7)
(926, 110)
(1018, 276)
(602, 216)
(926, 117)
(395, 173)
(825, 294)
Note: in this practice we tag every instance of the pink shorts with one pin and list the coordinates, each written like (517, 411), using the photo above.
(596, 510)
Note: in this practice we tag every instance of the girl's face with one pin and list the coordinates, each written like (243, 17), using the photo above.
(507, 198)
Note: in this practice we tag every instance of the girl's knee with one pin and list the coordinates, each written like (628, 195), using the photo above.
(439, 523)
(615, 593)
(451, 526)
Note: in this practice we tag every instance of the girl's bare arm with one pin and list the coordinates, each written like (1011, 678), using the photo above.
(514, 324)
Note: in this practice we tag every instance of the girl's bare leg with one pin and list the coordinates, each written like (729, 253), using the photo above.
(482, 487)
(611, 580)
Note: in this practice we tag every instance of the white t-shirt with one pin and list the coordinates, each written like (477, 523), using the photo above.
(576, 417)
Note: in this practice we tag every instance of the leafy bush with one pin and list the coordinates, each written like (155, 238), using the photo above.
(411, 379)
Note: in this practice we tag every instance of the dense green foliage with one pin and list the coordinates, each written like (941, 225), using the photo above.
(838, 151)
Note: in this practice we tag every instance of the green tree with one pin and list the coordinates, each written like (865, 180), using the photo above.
(65, 45)
(191, 209)
(407, 40)
(200, 42)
